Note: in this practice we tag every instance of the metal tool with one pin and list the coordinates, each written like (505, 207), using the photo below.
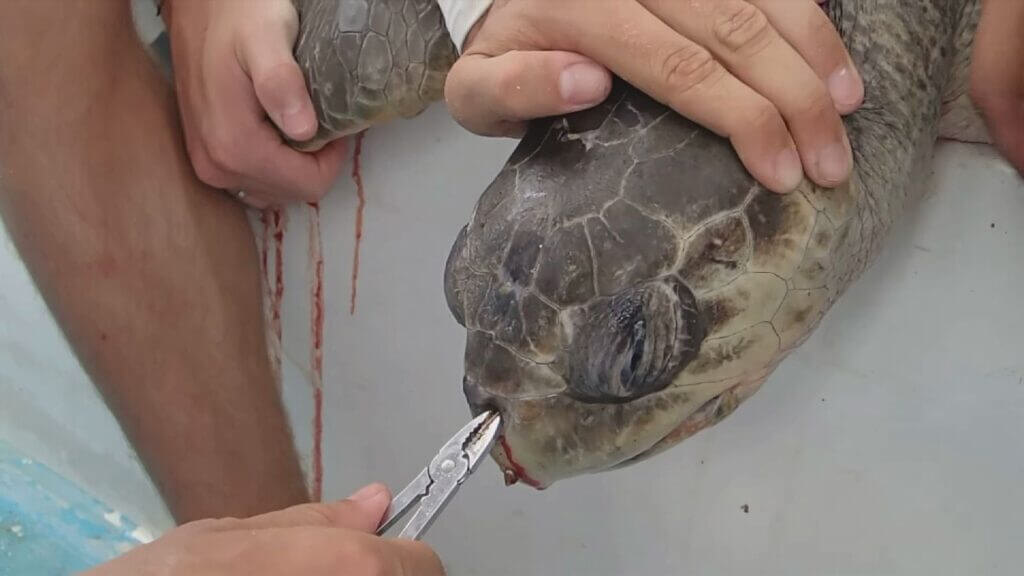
(435, 486)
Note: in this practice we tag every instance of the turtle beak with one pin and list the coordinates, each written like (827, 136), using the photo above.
(479, 400)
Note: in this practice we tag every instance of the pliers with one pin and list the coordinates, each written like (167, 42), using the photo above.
(442, 478)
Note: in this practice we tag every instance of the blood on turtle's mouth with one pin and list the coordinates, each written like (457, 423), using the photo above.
(480, 402)
(515, 472)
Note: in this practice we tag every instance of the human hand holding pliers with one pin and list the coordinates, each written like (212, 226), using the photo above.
(436, 484)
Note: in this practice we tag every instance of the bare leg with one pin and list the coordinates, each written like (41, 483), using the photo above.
(153, 277)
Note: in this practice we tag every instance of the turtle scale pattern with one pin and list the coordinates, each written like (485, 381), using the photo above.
(624, 283)
(370, 61)
(753, 262)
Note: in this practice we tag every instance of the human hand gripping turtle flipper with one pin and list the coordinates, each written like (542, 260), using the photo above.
(772, 78)
(624, 281)
(238, 90)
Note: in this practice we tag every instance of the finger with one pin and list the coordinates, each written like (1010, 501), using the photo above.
(284, 172)
(265, 54)
(243, 150)
(391, 557)
(413, 559)
(251, 200)
(997, 76)
(1010, 140)
(329, 551)
(363, 512)
(684, 76)
(807, 28)
(495, 95)
(256, 161)
(739, 35)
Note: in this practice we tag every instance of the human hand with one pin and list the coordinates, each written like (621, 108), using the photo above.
(236, 80)
(773, 77)
(312, 539)
(997, 76)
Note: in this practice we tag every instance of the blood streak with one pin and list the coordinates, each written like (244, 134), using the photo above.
(279, 229)
(519, 472)
(316, 261)
(357, 177)
(265, 249)
(273, 231)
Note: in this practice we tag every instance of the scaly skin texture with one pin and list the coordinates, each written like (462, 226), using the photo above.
(369, 61)
(624, 282)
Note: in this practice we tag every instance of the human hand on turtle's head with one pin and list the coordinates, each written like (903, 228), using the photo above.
(239, 88)
(773, 77)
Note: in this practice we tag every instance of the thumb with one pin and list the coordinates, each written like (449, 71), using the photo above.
(265, 54)
(365, 510)
(362, 511)
(495, 95)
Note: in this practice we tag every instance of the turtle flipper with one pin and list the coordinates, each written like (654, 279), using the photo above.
(370, 61)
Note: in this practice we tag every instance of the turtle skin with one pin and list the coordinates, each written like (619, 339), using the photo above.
(624, 282)
(370, 61)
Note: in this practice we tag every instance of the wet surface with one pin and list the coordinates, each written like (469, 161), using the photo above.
(49, 525)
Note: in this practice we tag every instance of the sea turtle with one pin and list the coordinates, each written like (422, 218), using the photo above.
(624, 282)
(370, 61)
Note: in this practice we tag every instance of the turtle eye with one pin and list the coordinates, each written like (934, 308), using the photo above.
(634, 343)
(637, 343)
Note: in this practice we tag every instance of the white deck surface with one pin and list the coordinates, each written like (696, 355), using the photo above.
(891, 443)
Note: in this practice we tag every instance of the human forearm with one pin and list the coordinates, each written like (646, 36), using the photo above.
(152, 276)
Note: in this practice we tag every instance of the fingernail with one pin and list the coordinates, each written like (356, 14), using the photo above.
(368, 493)
(846, 88)
(583, 84)
(788, 169)
(833, 163)
(294, 122)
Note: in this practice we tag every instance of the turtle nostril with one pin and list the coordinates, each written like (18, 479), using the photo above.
(479, 400)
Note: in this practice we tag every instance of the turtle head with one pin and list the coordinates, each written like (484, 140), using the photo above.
(621, 286)
(581, 386)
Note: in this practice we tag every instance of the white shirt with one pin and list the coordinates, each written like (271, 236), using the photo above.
(460, 16)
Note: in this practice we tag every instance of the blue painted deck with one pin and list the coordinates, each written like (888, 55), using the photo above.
(51, 526)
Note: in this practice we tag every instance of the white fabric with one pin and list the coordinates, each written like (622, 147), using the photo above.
(460, 16)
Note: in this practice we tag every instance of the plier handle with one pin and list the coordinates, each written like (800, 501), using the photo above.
(436, 484)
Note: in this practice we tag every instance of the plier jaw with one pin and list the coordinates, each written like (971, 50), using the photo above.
(434, 487)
